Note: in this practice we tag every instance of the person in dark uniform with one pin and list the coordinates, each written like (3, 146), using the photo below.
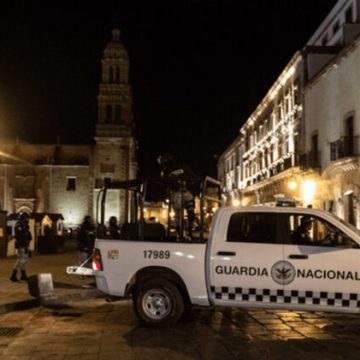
(86, 239)
(173, 168)
(301, 235)
(181, 199)
(178, 173)
(113, 231)
(22, 243)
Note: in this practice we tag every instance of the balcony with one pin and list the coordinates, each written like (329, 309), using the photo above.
(344, 147)
(310, 160)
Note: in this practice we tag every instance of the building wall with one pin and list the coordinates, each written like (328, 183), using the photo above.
(72, 203)
(65, 179)
(269, 141)
(327, 173)
(332, 99)
(331, 31)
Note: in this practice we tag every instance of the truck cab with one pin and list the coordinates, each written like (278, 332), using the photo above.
(256, 258)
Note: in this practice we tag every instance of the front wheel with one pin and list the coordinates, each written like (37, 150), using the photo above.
(158, 303)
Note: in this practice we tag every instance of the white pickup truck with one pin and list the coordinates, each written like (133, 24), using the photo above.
(251, 257)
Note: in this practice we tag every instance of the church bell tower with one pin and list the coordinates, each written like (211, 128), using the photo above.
(115, 150)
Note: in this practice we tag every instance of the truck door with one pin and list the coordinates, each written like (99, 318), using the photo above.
(246, 247)
(325, 266)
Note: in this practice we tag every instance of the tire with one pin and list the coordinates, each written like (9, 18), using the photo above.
(158, 303)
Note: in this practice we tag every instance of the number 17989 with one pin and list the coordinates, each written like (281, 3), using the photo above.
(156, 254)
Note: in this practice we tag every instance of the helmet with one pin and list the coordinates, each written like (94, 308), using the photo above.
(305, 220)
(112, 220)
(24, 216)
(165, 158)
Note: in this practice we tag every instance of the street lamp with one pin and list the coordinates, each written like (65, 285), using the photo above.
(236, 202)
(292, 185)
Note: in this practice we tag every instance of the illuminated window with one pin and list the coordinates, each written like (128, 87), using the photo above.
(280, 111)
(296, 92)
(252, 140)
(261, 131)
(273, 120)
(71, 184)
(266, 127)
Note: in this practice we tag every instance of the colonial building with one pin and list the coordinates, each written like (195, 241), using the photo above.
(301, 142)
(65, 179)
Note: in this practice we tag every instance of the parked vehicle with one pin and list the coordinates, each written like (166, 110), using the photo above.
(250, 257)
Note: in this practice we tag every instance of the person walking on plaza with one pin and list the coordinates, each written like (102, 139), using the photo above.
(86, 239)
(22, 242)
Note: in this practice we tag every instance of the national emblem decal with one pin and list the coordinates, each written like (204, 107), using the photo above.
(283, 272)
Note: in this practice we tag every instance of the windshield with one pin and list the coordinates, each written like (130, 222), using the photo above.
(345, 223)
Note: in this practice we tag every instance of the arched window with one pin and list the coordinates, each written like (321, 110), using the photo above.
(349, 136)
(108, 115)
(111, 75)
(118, 114)
(117, 74)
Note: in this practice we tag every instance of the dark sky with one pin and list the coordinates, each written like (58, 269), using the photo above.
(198, 68)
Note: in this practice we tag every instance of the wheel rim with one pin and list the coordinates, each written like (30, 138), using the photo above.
(156, 304)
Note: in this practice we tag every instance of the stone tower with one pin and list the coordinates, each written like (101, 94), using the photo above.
(115, 150)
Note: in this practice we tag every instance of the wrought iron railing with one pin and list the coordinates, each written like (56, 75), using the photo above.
(344, 147)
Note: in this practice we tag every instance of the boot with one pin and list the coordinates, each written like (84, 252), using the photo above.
(13, 276)
(23, 275)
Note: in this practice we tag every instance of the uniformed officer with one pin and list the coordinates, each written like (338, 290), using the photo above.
(172, 168)
(301, 235)
(113, 231)
(22, 242)
(86, 239)
(182, 198)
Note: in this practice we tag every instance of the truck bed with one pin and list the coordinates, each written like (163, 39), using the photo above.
(123, 259)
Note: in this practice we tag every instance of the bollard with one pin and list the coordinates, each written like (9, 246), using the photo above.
(41, 286)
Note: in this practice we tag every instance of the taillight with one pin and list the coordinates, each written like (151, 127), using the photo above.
(96, 260)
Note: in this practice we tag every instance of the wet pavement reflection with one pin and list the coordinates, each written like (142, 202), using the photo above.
(95, 329)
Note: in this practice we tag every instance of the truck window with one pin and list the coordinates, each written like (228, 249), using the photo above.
(252, 228)
(313, 231)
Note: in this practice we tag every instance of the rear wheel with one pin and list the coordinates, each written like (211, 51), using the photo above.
(158, 303)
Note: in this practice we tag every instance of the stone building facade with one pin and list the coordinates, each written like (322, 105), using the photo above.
(65, 179)
(332, 118)
(301, 142)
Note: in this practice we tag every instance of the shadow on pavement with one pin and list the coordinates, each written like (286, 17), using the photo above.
(21, 305)
(61, 285)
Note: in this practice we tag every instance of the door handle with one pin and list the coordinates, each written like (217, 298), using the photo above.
(226, 253)
(298, 256)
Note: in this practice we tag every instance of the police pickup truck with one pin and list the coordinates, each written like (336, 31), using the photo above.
(251, 257)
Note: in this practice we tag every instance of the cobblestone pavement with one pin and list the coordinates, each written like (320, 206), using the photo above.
(15, 295)
(85, 327)
(95, 329)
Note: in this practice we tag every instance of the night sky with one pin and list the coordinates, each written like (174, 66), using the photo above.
(198, 68)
